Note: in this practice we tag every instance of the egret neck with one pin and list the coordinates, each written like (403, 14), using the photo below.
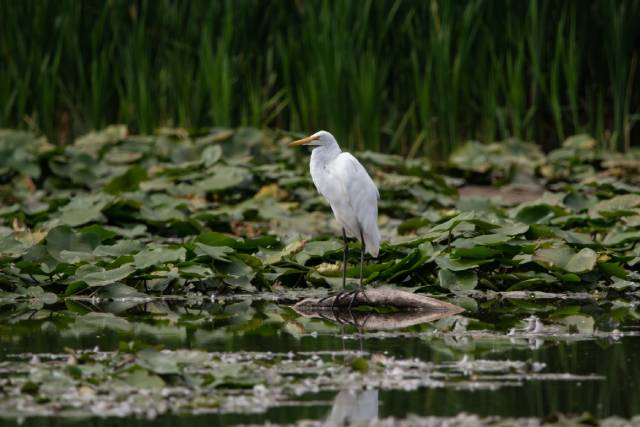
(321, 156)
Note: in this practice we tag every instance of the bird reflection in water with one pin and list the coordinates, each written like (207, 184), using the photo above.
(360, 407)
(353, 408)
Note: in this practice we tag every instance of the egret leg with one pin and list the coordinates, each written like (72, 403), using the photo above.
(361, 287)
(345, 253)
(362, 250)
(344, 260)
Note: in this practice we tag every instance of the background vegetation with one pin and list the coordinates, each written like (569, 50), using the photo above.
(411, 77)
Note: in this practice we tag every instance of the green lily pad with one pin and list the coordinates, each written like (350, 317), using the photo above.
(157, 256)
(458, 280)
(84, 209)
(142, 379)
(158, 362)
(121, 247)
(219, 253)
(224, 178)
(65, 239)
(447, 263)
(97, 276)
(129, 181)
(616, 237)
(564, 258)
(617, 206)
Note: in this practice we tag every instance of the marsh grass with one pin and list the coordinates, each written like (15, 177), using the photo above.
(402, 76)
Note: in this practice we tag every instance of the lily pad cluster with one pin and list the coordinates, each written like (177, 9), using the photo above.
(150, 382)
(145, 357)
(225, 210)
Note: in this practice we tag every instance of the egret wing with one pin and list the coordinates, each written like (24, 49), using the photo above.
(361, 194)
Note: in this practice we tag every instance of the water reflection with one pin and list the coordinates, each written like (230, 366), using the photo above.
(353, 407)
(371, 321)
(498, 331)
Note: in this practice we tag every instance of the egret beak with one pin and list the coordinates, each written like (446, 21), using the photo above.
(304, 141)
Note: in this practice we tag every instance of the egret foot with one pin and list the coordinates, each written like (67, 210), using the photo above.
(336, 298)
(354, 294)
(340, 297)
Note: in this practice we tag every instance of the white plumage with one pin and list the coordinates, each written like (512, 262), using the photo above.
(348, 188)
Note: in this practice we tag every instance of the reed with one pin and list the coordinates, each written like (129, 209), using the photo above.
(411, 77)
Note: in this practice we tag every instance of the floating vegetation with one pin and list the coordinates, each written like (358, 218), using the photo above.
(116, 357)
(151, 382)
(464, 420)
(116, 215)
(145, 276)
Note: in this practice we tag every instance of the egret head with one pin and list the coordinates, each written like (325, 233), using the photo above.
(320, 138)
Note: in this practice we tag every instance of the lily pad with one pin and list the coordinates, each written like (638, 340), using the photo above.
(97, 276)
(458, 280)
(157, 256)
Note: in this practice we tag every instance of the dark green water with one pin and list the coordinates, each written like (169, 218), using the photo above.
(251, 327)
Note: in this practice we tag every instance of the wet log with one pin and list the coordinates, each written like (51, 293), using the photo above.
(402, 300)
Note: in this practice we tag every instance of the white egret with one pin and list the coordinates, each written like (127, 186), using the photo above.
(350, 191)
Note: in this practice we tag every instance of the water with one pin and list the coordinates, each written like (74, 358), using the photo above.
(542, 368)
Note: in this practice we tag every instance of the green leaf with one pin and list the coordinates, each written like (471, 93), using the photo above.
(158, 256)
(211, 155)
(469, 304)
(582, 262)
(417, 258)
(553, 258)
(482, 240)
(514, 229)
(613, 269)
(457, 280)
(615, 238)
(98, 230)
(258, 242)
(120, 290)
(129, 181)
(158, 362)
(321, 248)
(195, 271)
(540, 279)
(574, 238)
(84, 209)
(121, 247)
(452, 223)
(238, 274)
(579, 323)
(453, 264)
(97, 276)
(535, 214)
(63, 238)
(616, 206)
(317, 248)
(215, 252)
(477, 252)
(224, 178)
(212, 238)
(75, 257)
(360, 364)
(142, 379)
(74, 288)
(563, 258)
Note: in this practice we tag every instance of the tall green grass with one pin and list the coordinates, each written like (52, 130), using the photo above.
(412, 77)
